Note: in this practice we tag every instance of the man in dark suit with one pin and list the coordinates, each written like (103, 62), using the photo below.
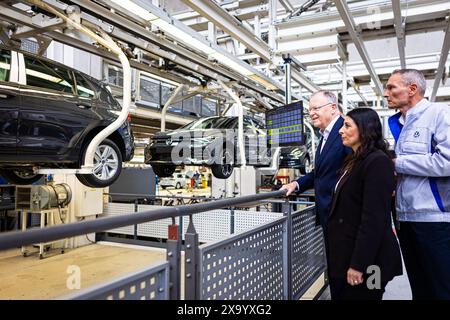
(330, 154)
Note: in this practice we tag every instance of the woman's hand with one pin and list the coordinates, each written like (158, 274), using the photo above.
(354, 277)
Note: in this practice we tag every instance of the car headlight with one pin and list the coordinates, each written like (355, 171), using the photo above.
(203, 140)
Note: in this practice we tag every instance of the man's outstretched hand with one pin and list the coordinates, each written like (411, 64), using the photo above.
(290, 187)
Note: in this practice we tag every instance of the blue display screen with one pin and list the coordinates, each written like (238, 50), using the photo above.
(285, 125)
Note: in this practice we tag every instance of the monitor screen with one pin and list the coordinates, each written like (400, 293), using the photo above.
(285, 125)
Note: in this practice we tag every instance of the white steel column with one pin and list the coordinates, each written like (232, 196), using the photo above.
(240, 122)
(442, 61)
(399, 31)
(344, 87)
(272, 28)
(346, 16)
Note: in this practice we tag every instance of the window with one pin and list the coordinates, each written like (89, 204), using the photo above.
(83, 88)
(47, 75)
(5, 65)
(149, 91)
(104, 95)
(165, 94)
(192, 106)
(115, 76)
(208, 108)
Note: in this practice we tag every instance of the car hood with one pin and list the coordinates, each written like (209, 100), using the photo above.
(186, 133)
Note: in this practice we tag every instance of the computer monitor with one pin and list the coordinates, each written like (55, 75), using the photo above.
(285, 125)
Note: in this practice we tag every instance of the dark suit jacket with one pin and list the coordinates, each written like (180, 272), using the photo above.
(326, 172)
(359, 227)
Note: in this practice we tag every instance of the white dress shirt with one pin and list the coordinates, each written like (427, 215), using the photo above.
(326, 133)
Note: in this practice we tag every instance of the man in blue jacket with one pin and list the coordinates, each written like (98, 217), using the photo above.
(422, 133)
(330, 154)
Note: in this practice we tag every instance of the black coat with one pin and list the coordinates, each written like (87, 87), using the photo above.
(359, 227)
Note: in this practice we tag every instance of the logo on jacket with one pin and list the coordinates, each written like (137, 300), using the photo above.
(416, 134)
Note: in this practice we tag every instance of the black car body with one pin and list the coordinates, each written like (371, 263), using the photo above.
(211, 136)
(297, 157)
(49, 114)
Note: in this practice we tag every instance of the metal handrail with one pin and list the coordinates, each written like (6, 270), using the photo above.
(152, 196)
(17, 238)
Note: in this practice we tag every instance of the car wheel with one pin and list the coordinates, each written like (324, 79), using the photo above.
(307, 167)
(178, 185)
(107, 166)
(224, 170)
(163, 171)
(20, 177)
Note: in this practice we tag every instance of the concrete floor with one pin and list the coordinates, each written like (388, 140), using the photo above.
(32, 278)
(397, 289)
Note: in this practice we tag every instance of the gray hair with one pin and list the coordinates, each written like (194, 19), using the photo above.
(410, 76)
(331, 97)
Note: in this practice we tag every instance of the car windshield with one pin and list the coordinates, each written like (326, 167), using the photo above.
(210, 123)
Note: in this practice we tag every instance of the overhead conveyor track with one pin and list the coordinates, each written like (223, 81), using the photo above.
(120, 27)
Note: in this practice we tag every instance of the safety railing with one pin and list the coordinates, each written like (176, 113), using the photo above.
(278, 259)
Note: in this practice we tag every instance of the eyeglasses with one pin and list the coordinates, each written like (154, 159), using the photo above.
(315, 109)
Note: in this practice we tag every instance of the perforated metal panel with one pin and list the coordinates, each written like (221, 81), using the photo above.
(246, 220)
(29, 45)
(115, 209)
(244, 266)
(156, 229)
(148, 284)
(308, 253)
(211, 225)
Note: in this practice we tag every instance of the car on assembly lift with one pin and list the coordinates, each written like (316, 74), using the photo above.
(49, 113)
(298, 157)
(202, 135)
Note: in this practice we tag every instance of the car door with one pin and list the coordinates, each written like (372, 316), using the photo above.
(51, 117)
(9, 103)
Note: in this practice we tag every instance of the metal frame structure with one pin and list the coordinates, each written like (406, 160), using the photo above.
(318, 38)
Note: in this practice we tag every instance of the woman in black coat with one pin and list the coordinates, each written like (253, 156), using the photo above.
(363, 251)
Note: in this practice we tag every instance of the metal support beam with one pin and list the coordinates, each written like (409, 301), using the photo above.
(240, 122)
(191, 263)
(287, 5)
(43, 43)
(304, 81)
(399, 31)
(344, 87)
(221, 18)
(212, 32)
(272, 27)
(346, 16)
(287, 73)
(442, 61)
(355, 87)
(166, 106)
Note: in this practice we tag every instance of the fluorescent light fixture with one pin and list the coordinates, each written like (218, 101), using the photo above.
(263, 82)
(232, 64)
(136, 9)
(183, 36)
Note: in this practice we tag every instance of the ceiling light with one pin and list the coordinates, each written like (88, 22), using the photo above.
(136, 9)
